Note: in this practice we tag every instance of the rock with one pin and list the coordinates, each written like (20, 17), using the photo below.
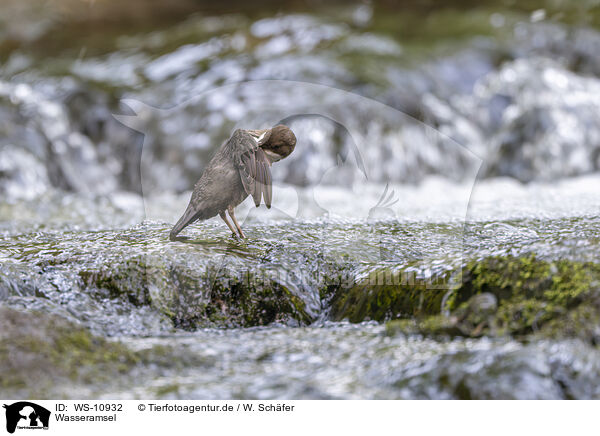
(191, 299)
(38, 351)
(43, 355)
(541, 370)
(386, 295)
(518, 296)
(136, 281)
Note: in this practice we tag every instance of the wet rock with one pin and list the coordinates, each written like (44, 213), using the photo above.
(384, 296)
(477, 315)
(470, 320)
(136, 281)
(213, 297)
(518, 297)
(530, 291)
(44, 355)
(39, 351)
(537, 371)
(118, 148)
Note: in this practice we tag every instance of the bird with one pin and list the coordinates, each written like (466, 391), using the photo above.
(240, 167)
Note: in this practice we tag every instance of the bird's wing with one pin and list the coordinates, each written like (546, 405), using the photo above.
(253, 165)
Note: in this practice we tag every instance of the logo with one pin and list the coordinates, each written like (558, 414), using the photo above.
(26, 415)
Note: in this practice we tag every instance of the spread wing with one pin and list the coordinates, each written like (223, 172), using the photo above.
(253, 165)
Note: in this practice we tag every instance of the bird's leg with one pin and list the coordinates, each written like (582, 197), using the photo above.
(224, 218)
(237, 225)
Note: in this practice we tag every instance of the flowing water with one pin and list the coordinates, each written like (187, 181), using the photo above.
(412, 155)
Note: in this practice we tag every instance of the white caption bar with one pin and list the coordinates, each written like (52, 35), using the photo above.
(151, 417)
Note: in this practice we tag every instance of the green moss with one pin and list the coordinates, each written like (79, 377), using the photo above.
(166, 390)
(128, 281)
(39, 350)
(386, 295)
(42, 354)
(238, 300)
(215, 297)
(531, 292)
(582, 322)
(550, 299)
(397, 326)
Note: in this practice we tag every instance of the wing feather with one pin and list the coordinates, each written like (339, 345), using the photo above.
(264, 176)
(246, 170)
(254, 167)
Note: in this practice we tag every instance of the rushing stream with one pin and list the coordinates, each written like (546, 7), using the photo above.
(423, 156)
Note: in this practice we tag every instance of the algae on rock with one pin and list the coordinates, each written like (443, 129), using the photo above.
(531, 296)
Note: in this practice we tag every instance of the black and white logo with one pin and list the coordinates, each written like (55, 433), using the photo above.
(26, 415)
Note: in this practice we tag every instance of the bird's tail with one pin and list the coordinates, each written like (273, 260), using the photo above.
(189, 216)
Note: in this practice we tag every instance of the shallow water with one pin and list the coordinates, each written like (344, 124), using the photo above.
(48, 265)
(344, 361)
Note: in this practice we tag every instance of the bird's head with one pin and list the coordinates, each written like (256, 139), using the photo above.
(278, 142)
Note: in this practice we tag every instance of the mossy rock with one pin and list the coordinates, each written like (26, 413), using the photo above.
(244, 299)
(555, 299)
(386, 296)
(39, 351)
(531, 292)
(473, 319)
(563, 283)
(217, 296)
(128, 280)
(46, 356)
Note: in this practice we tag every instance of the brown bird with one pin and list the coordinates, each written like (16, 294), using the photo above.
(241, 167)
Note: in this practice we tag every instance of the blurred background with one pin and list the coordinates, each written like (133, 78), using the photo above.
(516, 82)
